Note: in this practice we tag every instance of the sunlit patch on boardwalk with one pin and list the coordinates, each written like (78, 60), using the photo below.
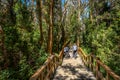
(73, 69)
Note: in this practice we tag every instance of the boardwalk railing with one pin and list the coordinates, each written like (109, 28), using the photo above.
(97, 66)
(49, 67)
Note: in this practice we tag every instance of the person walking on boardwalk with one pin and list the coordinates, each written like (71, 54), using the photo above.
(66, 51)
(74, 50)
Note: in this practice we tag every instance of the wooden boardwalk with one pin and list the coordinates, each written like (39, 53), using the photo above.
(73, 69)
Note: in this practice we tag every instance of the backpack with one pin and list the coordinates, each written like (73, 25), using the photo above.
(66, 49)
(74, 47)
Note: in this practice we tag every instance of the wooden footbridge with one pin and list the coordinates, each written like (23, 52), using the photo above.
(84, 67)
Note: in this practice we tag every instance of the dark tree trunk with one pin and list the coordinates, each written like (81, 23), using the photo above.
(39, 10)
(11, 12)
(51, 28)
(2, 45)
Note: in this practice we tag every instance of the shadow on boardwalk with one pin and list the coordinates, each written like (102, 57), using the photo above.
(73, 69)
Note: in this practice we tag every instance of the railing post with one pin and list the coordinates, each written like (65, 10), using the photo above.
(97, 69)
(91, 61)
(107, 76)
(85, 60)
(88, 61)
(41, 76)
(58, 62)
(55, 62)
(61, 57)
(53, 65)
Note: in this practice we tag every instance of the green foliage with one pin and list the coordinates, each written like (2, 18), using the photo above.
(115, 66)
(103, 39)
(24, 69)
(4, 74)
(43, 56)
(21, 42)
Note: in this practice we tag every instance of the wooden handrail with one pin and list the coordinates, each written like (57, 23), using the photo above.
(108, 70)
(83, 56)
(47, 70)
(94, 63)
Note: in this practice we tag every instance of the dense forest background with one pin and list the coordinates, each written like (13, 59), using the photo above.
(30, 30)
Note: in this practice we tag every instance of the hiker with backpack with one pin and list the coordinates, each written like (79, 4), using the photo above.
(74, 50)
(66, 51)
